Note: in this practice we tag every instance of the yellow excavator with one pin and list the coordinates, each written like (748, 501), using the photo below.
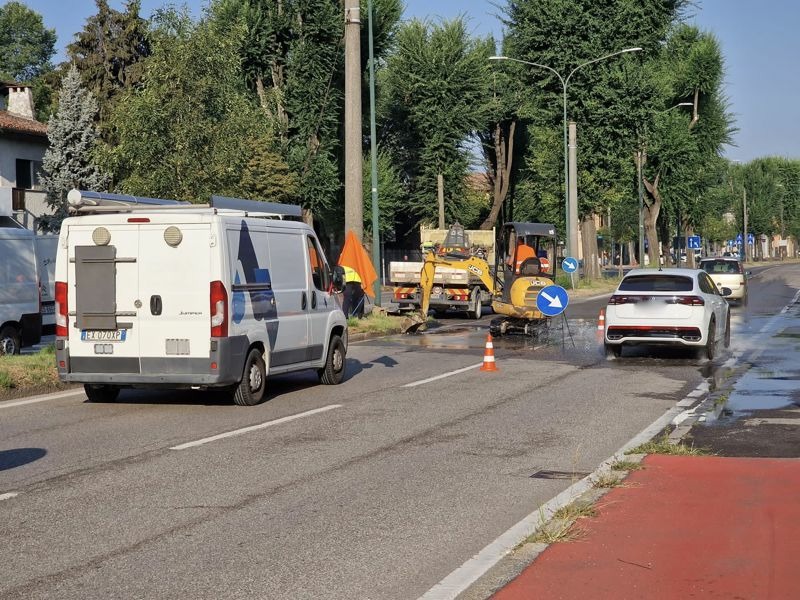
(525, 259)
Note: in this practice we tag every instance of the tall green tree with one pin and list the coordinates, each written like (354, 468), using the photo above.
(186, 131)
(609, 100)
(109, 53)
(26, 46)
(69, 160)
(292, 62)
(435, 94)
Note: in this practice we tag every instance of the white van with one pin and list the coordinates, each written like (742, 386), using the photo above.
(179, 296)
(20, 316)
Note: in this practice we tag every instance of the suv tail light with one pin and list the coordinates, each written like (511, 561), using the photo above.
(219, 310)
(61, 309)
(688, 300)
(623, 300)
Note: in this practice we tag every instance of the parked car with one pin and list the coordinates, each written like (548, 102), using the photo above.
(673, 307)
(729, 273)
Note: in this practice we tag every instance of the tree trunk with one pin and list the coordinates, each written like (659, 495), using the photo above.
(504, 155)
(591, 266)
(440, 197)
(690, 262)
(651, 212)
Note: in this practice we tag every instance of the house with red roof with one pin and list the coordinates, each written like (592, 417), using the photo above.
(23, 142)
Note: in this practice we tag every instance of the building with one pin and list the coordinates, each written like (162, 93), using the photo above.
(23, 142)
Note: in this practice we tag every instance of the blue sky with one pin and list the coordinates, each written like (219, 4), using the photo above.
(759, 39)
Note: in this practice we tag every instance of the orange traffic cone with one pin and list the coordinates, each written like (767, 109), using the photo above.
(601, 326)
(488, 355)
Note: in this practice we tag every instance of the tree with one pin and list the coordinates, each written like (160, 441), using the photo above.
(266, 175)
(435, 98)
(68, 162)
(109, 53)
(608, 99)
(185, 132)
(26, 46)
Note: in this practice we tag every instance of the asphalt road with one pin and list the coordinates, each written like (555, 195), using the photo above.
(390, 485)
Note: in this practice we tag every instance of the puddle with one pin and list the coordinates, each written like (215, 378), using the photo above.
(772, 383)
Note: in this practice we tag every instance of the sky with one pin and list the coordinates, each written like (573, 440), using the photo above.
(759, 40)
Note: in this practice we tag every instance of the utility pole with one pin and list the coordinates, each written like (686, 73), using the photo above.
(744, 215)
(353, 195)
(641, 205)
(573, 191)
(440, 198)
(373, 152)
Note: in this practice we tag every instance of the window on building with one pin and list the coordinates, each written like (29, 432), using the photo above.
(28, 174)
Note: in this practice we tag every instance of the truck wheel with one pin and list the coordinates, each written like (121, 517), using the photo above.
(101, 393)
(10, 340)
(250, 390)
(476, 309)
(333, 371)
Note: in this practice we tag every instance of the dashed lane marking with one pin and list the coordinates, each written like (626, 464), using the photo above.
(244, 430)
(442, 376)
(44, 398)
(8, 495)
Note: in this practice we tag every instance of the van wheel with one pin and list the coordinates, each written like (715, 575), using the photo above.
(10, 342)
(101, 393)
(250, 390)
(333, 371)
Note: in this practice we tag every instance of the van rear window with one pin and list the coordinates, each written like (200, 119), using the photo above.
(656, 283)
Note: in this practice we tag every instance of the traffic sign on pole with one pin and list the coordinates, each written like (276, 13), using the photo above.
(552, 300)
(693, 242)
(569, 265)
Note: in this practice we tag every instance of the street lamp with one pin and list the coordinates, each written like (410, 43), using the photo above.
(572, 232)
(639, 178)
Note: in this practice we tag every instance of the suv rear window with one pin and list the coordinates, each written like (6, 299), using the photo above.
(656, 283)
(721, 266)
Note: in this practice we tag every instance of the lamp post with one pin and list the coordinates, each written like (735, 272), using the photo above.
(743, 251)
(572, 231)
(640, 181)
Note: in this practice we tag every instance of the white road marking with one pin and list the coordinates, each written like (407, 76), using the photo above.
(243, 430)
(8, 495)
(442, 376)
(468, 573)
(44, 398)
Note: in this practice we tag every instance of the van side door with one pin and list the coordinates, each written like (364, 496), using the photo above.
(289, 276)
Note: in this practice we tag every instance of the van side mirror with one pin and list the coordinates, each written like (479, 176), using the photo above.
(338, 278)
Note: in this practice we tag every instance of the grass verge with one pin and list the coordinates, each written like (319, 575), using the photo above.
(374, 323)
(29, 371)
(663, 445)
(626, 465)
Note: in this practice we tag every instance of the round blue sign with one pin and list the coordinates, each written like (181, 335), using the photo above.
(569, 264)
(552, 300)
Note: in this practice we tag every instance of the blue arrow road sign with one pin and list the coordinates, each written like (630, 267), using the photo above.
(739, 238)
(552, 300)
(693, 242)
(751, 239)
(569, 264)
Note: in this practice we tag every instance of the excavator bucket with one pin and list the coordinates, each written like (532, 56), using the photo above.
(413, 323)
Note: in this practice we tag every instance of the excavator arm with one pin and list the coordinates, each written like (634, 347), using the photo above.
(477, 266)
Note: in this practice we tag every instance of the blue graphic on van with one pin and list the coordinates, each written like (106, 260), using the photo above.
(257, 283)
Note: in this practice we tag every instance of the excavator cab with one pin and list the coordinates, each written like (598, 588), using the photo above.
(525, 250)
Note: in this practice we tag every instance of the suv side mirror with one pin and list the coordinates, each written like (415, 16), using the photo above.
(726, 291)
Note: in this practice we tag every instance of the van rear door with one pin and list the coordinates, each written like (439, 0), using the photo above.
(174, 288)
(103, 276)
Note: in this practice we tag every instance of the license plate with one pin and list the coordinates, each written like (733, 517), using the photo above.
(103, 335)
(49, 308)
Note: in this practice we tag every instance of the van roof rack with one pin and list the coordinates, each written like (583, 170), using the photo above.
(87, 202)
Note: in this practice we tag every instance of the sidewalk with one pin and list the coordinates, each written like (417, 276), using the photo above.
(682, 527)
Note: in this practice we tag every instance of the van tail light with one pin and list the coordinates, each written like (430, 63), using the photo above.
(687, 300)
(219, 310)
(61, 309)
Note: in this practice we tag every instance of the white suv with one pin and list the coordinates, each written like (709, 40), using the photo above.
(678, 307)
